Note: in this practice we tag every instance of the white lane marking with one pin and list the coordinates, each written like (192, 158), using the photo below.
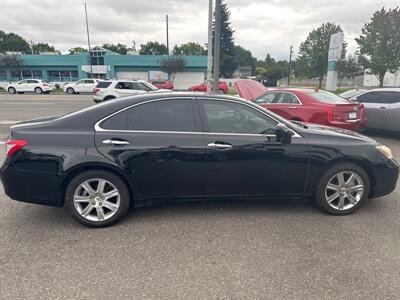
(25, 103)
(8, 122)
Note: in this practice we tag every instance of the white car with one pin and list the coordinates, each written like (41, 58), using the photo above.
(111, 89)
(37, 86)
(86, 85)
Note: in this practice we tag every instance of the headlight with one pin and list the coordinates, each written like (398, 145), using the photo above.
(385, 151)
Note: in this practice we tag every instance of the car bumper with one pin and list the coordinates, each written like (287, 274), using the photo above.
(354, 125)
(97, 99)
(27, 186)
(386, 176)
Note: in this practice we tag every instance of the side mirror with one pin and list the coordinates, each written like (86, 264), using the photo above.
(283, 134)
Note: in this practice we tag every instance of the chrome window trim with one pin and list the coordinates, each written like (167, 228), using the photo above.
(97, 127)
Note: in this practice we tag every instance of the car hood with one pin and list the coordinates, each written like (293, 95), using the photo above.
(329, 131)
(249, 89)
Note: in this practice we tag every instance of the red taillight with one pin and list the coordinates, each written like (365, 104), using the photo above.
(45, 84)
(15, 145)
(95, 90)
(329, 113)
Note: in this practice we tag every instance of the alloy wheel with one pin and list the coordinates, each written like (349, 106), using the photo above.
(344, 190)
(96, 199)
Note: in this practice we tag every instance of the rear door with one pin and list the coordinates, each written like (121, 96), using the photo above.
(159, 144)
(244, 158)
(376, 105)
(127, 88)
(394, 113)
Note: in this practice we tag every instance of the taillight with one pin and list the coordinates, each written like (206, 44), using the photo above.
(329, 113)
(95, 90)
(45, 84)
(15, 145)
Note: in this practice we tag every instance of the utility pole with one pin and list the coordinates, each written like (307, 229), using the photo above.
(167, 35)
(209, 46)
(217, 45)
(290, 65)
(88, 40)
(31, 42)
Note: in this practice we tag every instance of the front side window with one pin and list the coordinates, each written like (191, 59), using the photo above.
(231, 117)
(162, 115)
(267, 98)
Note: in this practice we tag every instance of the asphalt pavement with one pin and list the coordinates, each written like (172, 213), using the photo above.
(209, 250)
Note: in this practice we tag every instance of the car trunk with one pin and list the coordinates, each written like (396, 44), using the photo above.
(346, 112)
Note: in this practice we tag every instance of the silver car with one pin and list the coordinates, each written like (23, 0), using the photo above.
(382, 108)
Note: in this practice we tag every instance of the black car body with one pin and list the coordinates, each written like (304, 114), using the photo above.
(161, 153)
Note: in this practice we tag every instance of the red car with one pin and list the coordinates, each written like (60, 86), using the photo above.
(223, 88)
(163, 84)
(314, 106)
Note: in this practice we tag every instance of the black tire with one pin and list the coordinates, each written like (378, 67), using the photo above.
(98, 174)
(109, 98)
(11, 90)
(221, 91)
(70, 91)
(38, 90)
(320, 198)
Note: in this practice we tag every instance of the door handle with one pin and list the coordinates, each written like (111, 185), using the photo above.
(219, 146)
(116, 142)
(293, 107)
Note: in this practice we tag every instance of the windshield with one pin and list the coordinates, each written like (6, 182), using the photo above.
(326, 97)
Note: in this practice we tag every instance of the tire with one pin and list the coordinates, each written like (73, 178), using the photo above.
(70, 91)
(329, 199)
(108, 98)
(78, 198)
(12, 90)
(38, 91)
(221, 91)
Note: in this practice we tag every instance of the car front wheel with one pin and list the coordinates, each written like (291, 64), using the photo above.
(342, 189)
(11, 90)
(97, 198)
(70, 91)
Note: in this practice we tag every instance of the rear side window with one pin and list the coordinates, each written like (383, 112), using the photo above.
(116, 122)
(163, 115)
(282, 98)
(103, 84)
(326, 97)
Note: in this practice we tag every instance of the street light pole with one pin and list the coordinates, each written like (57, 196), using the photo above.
(209, 46)
(166, 20)
(88, 40)
(290, 65)
(217, 45)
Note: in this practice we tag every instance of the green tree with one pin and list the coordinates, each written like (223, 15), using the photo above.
(13, 42)
(379, 43)
(153, 48)
(173, 65)
(118, 48)
(313, 52)
(43, 47)
(10, 62)
(228, 65)
(260, 72)
(243, 57)
(77, 50)
(348, 68)
(190, 48)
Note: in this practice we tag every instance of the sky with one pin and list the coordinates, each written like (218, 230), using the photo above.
(268, 26)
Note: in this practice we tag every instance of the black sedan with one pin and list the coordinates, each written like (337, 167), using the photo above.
(188, 146)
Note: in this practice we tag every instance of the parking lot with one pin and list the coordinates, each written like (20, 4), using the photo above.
(214, 250)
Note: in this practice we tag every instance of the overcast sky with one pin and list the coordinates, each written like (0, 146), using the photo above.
(260, 26)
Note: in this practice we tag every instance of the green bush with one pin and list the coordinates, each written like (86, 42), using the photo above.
(57, 86)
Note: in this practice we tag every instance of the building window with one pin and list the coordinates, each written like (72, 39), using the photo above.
(3, 76)
(26, 74)
(63, 75)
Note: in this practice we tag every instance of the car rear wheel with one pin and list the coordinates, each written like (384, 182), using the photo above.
(70, 91)
(38, 90)
(11, 90)
(342, 189)
(97, 198)
(109, 98)
(221, 91)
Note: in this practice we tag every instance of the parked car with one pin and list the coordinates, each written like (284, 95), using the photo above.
(145, 149)
(223, 87)
(314, 106)
(163, 84)
(111, 89)
(382, 108)
(82, 86)
(352, 93)
(37, 86)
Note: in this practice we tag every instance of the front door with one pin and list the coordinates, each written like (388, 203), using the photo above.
(159, 144)
(376, 105)
(244, 158)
